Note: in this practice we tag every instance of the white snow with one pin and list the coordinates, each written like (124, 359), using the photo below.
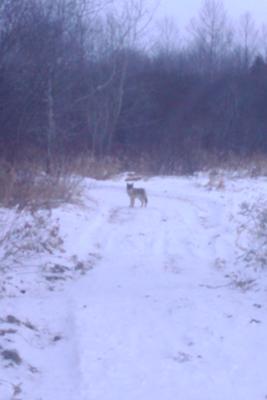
(112, 303)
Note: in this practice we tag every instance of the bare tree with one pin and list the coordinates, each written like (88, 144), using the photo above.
(12, 13)
(118, 31)
(167, 40)
(248, 37)
(55, 41)
(211, 36)
(263, 40)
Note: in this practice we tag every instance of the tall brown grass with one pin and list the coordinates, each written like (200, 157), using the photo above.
(27, 185)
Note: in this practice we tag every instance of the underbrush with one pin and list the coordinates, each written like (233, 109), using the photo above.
(98, 168)
(33, 254)
(252, 235)
(28, 186)
(158, 164)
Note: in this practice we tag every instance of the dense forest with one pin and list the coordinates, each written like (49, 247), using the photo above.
(81, 77)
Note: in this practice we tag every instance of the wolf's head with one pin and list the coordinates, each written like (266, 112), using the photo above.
(129, 187)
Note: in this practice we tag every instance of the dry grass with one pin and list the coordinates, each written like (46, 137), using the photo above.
(98, 168)
(27, 185)
(252, 166)
(251, 239)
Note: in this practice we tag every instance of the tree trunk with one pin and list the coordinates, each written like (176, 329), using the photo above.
(51, 125)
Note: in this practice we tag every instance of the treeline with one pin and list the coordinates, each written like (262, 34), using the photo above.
(79, 76)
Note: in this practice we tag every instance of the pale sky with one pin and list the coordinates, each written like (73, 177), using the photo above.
(183, 10)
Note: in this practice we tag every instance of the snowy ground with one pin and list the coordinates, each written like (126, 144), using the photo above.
(99, 301)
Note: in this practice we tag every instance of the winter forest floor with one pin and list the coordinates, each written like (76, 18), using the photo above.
(99, 301)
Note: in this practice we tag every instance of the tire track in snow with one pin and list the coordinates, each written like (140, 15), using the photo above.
(145, 326)
(122, 305)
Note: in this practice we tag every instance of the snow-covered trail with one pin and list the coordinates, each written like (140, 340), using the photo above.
(157, 316)
(156, 319)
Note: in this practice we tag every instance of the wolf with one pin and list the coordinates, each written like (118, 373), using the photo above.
(136, 193)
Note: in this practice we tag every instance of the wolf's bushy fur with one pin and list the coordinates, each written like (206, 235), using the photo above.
(136, 193)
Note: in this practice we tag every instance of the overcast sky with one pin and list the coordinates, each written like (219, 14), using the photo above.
(184, 10)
